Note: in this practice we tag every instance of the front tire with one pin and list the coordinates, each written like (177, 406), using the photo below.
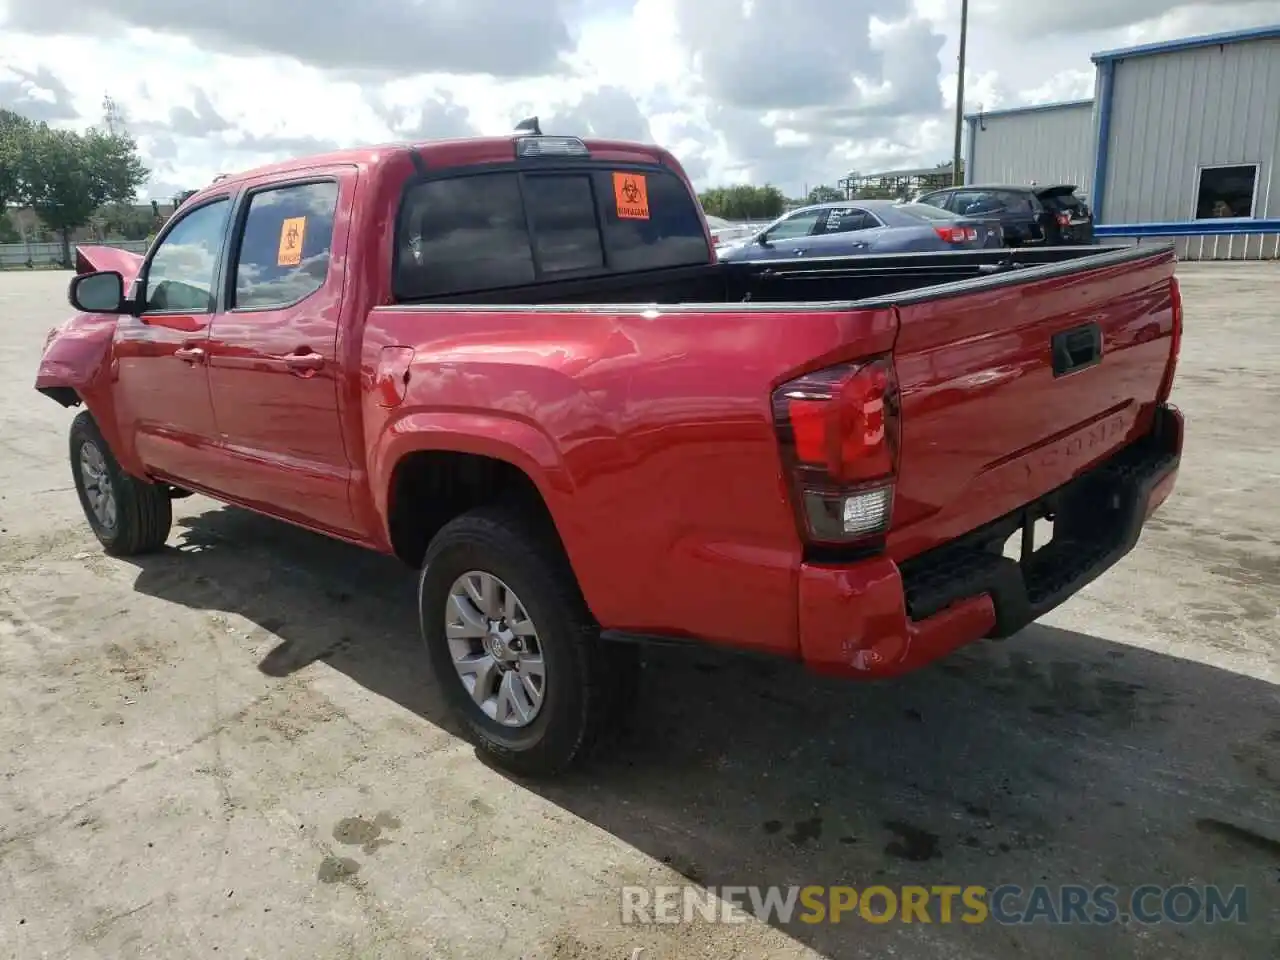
(128, 516)
(517, 654)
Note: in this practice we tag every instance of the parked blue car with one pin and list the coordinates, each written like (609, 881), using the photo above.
(865, 227)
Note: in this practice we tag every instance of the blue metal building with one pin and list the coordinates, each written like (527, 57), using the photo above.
(1187, 143)
(1181, 140)
(1047, 143)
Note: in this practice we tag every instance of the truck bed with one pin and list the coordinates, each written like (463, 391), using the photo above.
(647, 397)
(817, 279)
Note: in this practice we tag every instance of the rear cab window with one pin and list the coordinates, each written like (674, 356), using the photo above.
(471, 230)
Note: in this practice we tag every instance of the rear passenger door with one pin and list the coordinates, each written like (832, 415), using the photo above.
(1020, 216)
(843, 231)
(274, 370)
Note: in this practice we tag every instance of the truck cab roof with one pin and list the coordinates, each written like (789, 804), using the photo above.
(459, 152)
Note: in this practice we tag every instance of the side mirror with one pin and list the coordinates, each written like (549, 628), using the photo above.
(100, 292)
(762, 239)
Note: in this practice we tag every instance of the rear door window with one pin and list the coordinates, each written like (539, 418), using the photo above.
(848, 220)
(284, 250)
(486, 231)
(1016, 202)
(969, 203)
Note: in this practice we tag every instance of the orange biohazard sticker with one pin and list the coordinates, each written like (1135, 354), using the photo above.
(631, 194)
(292, 232)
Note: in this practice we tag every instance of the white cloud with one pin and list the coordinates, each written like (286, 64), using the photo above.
(740, 90)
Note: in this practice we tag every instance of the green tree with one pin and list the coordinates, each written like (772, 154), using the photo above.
(66, 176)
(824, 194)
(14, 129)
(127, 221)
(743, 202)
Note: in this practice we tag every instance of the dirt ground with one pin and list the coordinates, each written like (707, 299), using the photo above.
(232, 748)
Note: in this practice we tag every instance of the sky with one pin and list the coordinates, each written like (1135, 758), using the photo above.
(789, 92)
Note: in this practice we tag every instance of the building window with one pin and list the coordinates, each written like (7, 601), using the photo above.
(1226, 191)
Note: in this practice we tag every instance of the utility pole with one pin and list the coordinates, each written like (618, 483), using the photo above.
(956, 177)
(111, 117)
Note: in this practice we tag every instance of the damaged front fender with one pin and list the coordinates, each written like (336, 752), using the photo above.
(77, 357)
(77, 353)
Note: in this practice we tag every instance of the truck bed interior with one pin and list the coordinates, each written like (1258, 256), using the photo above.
(833, 279)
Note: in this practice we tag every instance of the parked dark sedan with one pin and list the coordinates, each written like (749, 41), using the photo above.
(1030, 214)
(865, 227)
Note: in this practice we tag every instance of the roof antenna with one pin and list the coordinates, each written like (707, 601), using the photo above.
(529, 125)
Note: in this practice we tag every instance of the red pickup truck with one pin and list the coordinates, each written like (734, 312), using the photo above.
(516, 364)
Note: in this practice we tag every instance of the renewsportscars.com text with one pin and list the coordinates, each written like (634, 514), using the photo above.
(972, 904)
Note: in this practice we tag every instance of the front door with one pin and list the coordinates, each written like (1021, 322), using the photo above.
(786, 237)
(162, 389)
(274, 373)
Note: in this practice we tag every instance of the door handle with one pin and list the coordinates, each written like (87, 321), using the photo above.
(190, 354)
(304, 364)
(1076, 349)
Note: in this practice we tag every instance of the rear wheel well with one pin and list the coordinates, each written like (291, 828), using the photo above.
(431, 487)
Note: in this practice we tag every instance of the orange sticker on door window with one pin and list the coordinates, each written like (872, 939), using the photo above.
(292, 232)
(631, 194)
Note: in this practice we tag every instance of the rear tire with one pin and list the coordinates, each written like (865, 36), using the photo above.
(491, 581)
(128, 516)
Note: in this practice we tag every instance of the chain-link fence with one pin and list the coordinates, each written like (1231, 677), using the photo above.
(16, 256)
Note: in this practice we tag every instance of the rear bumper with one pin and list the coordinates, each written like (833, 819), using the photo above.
(876, 618)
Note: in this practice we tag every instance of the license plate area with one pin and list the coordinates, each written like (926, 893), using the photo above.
(1096, 518)
(1034, 533)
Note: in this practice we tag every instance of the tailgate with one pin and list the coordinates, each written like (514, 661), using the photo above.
(1013, 385)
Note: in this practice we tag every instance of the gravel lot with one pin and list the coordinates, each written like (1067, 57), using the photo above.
(231, 748)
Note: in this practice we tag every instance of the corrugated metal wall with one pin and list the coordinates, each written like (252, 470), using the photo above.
(1172, 114)
(1042, 144)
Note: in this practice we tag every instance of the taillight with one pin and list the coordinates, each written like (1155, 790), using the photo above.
(1175, 347)
(838, 429)
(956, 234)
(1064, 219)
